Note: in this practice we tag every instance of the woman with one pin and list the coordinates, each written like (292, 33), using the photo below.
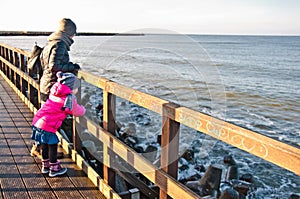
(54, 58)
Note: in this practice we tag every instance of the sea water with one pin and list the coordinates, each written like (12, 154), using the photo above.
(250, 81)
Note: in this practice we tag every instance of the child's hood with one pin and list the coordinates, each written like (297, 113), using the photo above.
(60, 90)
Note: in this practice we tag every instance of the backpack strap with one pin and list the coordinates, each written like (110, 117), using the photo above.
(49, 54)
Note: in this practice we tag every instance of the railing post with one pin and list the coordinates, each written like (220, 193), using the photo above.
(109, 124)
(23, 68)
(5, 66)
(17, 64)
(76, 129)
(1, 54)
(169, 143)
(11, 72)
(31, 94)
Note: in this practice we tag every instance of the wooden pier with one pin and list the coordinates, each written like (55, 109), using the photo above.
(20, 175)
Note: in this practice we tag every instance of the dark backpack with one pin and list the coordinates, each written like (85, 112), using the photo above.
(34, 65)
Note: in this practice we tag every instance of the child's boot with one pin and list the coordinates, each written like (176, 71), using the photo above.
(45, 166)
(56, 169)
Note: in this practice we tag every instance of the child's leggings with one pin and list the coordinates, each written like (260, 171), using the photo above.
(49, 151)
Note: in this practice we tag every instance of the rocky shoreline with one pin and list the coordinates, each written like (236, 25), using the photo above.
(205, 180)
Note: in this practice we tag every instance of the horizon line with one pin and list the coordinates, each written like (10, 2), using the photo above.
(46, 33)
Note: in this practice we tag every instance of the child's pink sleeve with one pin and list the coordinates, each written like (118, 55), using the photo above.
(78, 110)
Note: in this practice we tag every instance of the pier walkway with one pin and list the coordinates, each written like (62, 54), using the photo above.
(20, 174)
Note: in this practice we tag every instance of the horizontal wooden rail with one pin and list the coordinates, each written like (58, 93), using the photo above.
(20, 94)
(23, 75)
(18, 50)
(279, 153)
(142, 99)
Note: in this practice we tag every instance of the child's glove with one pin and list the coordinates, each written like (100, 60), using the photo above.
(77, 67)
(68, 103)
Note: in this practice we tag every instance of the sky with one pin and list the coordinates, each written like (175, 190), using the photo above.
(253, 17)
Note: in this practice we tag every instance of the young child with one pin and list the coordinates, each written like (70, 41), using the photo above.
(50, 116)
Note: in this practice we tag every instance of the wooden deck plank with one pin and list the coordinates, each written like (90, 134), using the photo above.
(79, 179)
(11, 183)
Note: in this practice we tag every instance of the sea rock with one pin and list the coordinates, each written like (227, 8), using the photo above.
(196, 145)
(130, 130)
(142, 119)
(85, 99)
(183, 164)
(89, 145)
(193, 185)
(99, 155)
(241, 189)
(225, 185)
(191, 178)
(228, 160)
(212, 178)
(128, 135)
(119, 125)
(232, 173)
(158, 139)
(229, 193)
(99, 108)
(88, 148)
(85, 135)
(294, 196)
(199, 168)
(188, 155)
(209, 197)
(139, 148)
(209, 184)
(130, 141)
(150, 153)
(139, 116)
(183, 167)
(247, 177)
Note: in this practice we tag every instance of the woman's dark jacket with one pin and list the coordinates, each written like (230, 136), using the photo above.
(54, 58)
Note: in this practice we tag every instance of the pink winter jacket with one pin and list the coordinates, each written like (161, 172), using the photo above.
(50, 116)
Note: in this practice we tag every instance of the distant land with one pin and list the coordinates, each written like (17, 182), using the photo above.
(38, 33)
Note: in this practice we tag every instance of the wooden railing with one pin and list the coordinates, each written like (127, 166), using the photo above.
(13, 69)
